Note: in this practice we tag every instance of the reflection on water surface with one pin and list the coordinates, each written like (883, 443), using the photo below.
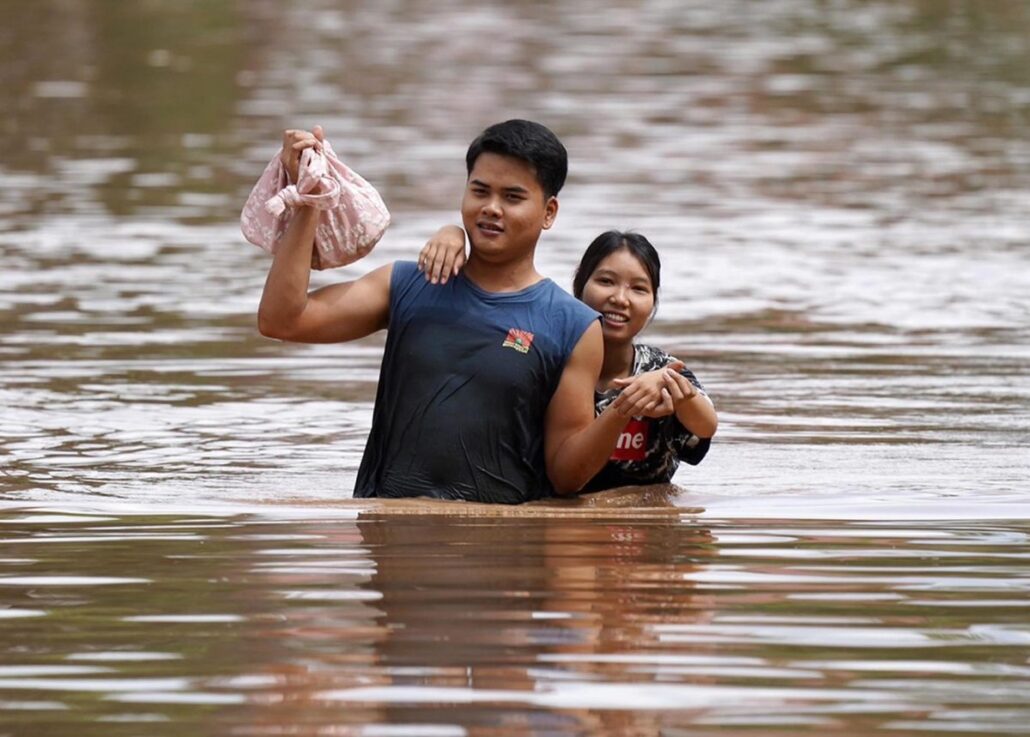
(619, 623)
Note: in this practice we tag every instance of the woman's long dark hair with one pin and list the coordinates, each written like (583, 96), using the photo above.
(608, 243)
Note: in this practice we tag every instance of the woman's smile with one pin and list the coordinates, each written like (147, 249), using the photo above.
(620, 289)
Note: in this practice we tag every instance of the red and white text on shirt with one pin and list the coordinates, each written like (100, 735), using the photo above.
(632, 443)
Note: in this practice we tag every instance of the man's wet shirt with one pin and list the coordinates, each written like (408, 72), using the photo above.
(466, 379)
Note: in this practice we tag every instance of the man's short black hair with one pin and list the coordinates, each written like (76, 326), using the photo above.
(533, 143)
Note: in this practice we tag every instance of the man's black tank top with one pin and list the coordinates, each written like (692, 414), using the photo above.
(466, 379)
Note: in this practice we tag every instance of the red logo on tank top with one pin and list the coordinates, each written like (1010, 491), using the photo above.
(632, 443)
(520, 340)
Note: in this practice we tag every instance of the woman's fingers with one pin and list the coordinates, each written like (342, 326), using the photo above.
(624, 404)
(430, 261)
(652, 394)
(659, 398)
(436, 268)
(447, 266)
(637, 392)
(635, 408)
(443, 255)
(637, 399)
(664, 406)
(425, 258)
(674, 389)
(667, 406)
(688, 387)
(679, 386)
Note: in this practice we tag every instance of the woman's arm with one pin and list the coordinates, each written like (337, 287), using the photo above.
(693, 409)
(443, 255)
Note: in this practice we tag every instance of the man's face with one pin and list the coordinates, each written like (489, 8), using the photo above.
(504, 208)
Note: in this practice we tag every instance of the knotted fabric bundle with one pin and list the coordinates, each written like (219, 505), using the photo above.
(352, 216)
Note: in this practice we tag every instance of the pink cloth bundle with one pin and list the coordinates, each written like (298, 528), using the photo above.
(352, 215)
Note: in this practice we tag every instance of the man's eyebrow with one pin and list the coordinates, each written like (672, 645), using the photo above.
(514, 189)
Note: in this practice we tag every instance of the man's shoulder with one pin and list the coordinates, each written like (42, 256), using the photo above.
(403, 270)
(567, 314)
(406, 280)
(567, 319)
(561, 300)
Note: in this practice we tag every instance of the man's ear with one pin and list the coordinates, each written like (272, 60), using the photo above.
(550, 211)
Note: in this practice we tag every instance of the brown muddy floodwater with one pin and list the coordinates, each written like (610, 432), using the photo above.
(840, 191)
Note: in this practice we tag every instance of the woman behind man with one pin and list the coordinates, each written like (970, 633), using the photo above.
(669, 416)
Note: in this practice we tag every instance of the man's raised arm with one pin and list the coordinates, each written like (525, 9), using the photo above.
(333, 314)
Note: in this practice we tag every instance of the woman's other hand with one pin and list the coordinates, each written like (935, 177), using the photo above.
(644, 395)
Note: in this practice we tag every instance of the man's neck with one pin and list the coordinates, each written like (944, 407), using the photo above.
(506, 277)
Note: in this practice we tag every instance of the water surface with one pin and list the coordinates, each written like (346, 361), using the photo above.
(440, 623)
(839, 190)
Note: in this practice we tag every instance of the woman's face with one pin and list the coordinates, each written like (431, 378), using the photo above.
(620, 289)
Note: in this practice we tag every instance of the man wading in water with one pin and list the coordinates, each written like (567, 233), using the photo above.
(486, 388)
